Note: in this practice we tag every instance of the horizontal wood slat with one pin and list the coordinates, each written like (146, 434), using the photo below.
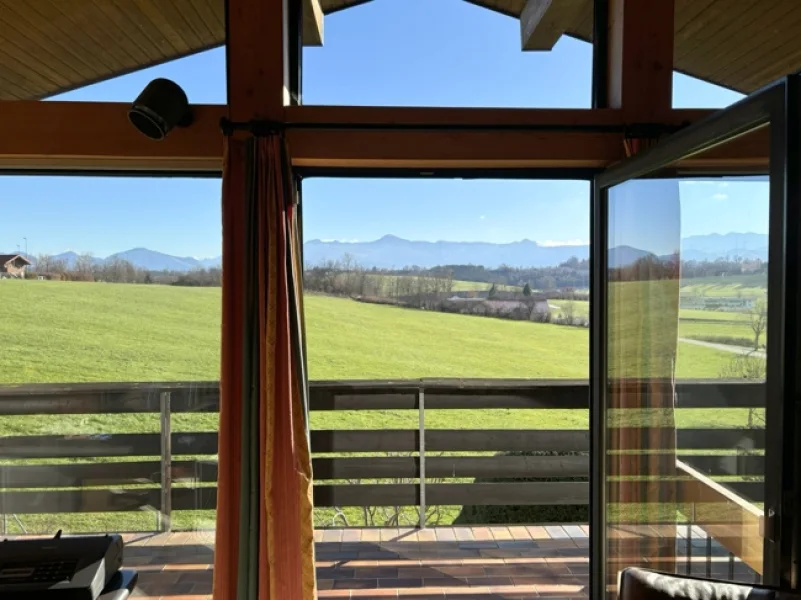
(540, 440)
(330, 441)
(720, 439)
(114, 398)
(453, 494)
(489, 467)
(77, 501)
(102, 474)
(444, 440)
(392, 467)
(750, 465)
(108, 398)
(105, 445)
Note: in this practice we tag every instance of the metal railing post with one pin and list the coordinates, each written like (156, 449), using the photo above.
(421, 409)
(166, 464)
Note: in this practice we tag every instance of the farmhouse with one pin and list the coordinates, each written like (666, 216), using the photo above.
(12, 266)
(510, 305)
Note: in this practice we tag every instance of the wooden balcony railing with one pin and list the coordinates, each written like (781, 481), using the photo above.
(176, 470)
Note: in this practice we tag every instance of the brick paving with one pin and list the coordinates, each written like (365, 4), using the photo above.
(466, 563)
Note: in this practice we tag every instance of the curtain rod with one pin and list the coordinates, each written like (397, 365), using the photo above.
(265, 127)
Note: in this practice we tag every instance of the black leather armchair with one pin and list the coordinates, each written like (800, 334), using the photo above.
(643, 584)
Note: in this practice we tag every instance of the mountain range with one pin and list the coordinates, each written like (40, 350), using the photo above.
(393, 252)
(142, 258)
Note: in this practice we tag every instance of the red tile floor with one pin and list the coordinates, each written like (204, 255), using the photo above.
(487, 563)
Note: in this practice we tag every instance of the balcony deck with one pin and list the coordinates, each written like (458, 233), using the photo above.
(464, 563)
(450, 562)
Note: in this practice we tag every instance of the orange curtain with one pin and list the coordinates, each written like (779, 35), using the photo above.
(264, 545)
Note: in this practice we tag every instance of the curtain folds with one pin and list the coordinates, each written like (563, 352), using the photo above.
(264, 545)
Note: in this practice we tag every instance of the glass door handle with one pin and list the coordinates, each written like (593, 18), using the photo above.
(771, 526)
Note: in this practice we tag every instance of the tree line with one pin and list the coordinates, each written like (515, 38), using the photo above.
(346, 277)
(117, 270)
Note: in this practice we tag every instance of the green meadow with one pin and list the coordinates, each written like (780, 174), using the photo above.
(94, 332)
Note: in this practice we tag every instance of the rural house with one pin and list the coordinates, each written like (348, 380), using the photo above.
(12, 266)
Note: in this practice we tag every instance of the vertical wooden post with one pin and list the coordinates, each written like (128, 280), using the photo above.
(421, 407)
(257, 59)
(166, 463)
(642, 457)
(640, 58)
(256, 65)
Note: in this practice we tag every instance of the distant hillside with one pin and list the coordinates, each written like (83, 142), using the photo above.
(157, 261)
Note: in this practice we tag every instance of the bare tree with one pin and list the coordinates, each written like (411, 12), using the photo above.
(45, 263)
(84, 267)
(751, 368)
(758, 320)
(569, 312)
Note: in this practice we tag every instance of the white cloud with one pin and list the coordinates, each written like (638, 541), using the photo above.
(720, 197)
(723, 184)
(482, 217)
(576, 242)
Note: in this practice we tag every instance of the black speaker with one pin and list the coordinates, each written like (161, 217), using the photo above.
(161, 106)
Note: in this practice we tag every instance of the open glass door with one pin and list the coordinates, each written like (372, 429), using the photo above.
(694, 349)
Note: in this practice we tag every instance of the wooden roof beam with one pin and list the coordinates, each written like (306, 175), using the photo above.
(96, 136)
(640, 59)
(313, 19)
(542, 22)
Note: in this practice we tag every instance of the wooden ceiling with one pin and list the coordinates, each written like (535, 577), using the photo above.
(50, 46)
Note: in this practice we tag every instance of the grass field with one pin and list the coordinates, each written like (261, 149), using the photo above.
(694, 324)
(80, 332)
(62, 332)
(732, 286)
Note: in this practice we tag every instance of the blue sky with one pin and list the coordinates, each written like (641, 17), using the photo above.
(381, 53)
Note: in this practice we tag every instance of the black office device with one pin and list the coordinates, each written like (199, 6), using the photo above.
(59, 568)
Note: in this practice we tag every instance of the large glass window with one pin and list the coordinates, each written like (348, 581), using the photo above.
(450, 53)
(689, 483)
(682, 447)
(109, 365)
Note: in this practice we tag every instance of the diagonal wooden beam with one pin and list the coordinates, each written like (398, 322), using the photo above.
(313, 19)
(542, 22)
